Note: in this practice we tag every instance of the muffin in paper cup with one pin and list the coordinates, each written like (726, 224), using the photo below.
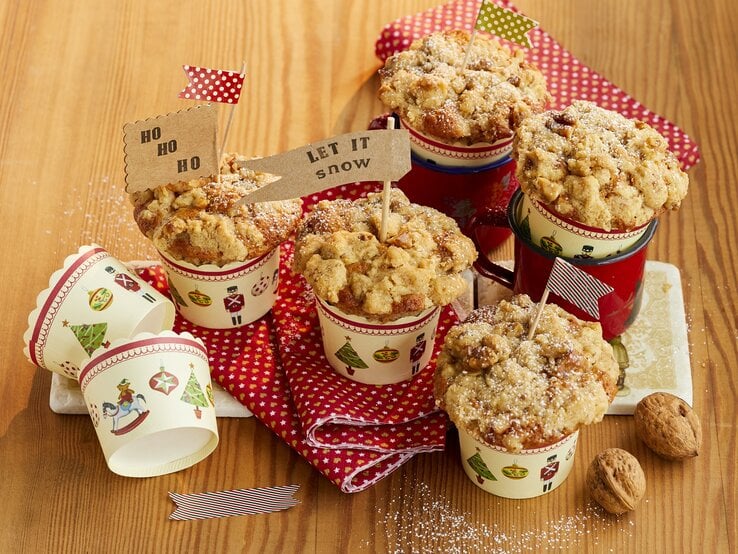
(525, 474)
(568, 238)
(151, 401)
(223, 297)
(377, 353)
(379, 302)
(519, 403)
(91, 301)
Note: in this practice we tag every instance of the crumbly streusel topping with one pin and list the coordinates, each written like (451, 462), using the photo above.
(508, 391)
(484, 103)
(418, 266)
(201, 221)
(597, 167)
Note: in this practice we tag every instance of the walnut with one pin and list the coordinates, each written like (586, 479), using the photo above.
(616, 481)
(668, 426)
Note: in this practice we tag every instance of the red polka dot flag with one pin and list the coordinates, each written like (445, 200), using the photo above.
(212, 85)
(568, 78)
(354, 434)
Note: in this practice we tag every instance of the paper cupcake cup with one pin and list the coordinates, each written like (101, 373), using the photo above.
(150, 399)
(570, 239)
(456, 154)
(223, 297)
(92, 300)
(377, 353)
(524, 474)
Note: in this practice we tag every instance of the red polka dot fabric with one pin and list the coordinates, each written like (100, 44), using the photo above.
(354, 434)
(568, 78)
(212, 85)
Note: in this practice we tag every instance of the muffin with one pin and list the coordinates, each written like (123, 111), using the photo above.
(484, 102)
(419, 265)
(598, 168)
(202, 222)
(518, 394)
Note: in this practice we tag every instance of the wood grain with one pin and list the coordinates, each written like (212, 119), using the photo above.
(75, 72)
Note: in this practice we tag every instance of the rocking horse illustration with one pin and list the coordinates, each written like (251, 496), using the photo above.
(128, 402)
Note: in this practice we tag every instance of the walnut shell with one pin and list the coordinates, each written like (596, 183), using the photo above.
(668, 426)
(616, 481)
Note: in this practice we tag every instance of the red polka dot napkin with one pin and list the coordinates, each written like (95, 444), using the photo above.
(568, 78)
(352, 433)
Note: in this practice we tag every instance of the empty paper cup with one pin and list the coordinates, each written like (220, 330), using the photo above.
(523, 474)
(457, 154)
(377, 353)
(223, 297)
(151, 401)
(92, 300)
(568, 238)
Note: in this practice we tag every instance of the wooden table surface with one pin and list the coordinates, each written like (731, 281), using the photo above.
(76, 71)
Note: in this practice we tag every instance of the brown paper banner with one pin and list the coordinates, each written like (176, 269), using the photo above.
(168, 148)
(381, 155)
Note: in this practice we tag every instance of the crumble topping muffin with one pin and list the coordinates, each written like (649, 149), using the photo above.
(597, 167)
(483, 103)
(508, 391)
(201, 221)
(419, 265)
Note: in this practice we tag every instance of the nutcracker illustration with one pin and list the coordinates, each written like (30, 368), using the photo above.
(548, 471)
(127, 281)
(586, 254)
(234, 304)
(416, 352)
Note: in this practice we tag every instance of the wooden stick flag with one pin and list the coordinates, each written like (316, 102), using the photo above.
(503, 23)
(391, 125)
(575, 286)
(236, 502)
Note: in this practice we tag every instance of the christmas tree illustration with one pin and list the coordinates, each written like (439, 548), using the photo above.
(90, 335)
(480, 468)
(525, 227)
(348, 355)
(193, 394)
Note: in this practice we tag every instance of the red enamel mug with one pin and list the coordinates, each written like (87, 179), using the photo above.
(623, 271)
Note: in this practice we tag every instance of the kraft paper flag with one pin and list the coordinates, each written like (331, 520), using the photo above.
(168, 148)
(381, 155)
(504, 23)
(212, 85)
(236, 502)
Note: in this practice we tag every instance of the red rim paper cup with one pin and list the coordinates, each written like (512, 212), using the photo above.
(151, 401)
(92, 300)
(565, 237)
(377, 353)
(435, 151)
(524, 474)
(223, 297)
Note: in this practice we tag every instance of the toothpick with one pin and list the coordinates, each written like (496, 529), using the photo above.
(228, 124)
(468, 49)
(537, 317)
(391, 124)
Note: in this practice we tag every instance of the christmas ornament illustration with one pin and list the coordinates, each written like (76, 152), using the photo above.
(234, 303)
(480, 468)
(70, 370)
(129, 283)
(515, 472)
(260, 286)
(386, 355)
(350, 357)
(199, 298)
(175, 294)
(550, 245)
(193, 394)
(525, 226)
(416, 352)
(94, 411)
(163, 381)
(90, 335)
(99, 299)
(548, 471)
(275, 280)
(128, 403)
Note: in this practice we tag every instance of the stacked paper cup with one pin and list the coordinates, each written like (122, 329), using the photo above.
(461, 103)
